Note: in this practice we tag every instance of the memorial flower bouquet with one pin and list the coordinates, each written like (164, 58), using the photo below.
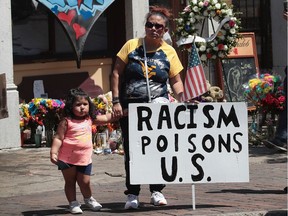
(103, 105)
(266, 93)
(27, 121)
(47, 110)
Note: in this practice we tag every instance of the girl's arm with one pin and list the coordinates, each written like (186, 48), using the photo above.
(57, 141)
(106, 118)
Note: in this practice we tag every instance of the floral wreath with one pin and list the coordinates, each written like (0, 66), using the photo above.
(196, 12)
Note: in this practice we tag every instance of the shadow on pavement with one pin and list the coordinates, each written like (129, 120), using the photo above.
(248, 191)
(46, 212)
(146, 207)
(276, 213)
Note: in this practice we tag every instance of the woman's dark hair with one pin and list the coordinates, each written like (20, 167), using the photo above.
(71, 98)
(160, 11)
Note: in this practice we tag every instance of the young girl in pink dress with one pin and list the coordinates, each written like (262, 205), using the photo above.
(72, 148)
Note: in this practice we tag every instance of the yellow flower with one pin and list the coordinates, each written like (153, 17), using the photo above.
(21, 123)
(101, 106)
(254, 82)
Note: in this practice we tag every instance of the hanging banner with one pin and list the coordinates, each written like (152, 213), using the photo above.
(188, 143)
(77, 17)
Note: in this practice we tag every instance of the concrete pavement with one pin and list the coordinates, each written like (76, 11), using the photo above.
(30, 185)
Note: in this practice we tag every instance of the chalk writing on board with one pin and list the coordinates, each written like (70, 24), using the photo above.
(237, 73)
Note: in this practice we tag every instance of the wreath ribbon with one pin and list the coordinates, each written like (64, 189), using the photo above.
(191, 39)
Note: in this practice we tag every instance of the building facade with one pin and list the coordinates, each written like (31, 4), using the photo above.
(35, 47)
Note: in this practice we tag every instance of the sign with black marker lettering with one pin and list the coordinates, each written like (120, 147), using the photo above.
(188, 143)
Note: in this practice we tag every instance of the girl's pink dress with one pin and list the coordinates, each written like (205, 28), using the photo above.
(77, 145)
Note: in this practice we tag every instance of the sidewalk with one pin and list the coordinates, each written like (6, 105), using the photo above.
(31, 185)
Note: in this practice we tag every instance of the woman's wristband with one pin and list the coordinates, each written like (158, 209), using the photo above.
(115, 100)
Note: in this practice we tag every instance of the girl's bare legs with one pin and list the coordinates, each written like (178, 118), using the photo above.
(70, 177)
(84, 184)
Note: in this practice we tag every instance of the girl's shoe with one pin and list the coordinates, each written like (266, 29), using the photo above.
(92, 204)
(74, 207)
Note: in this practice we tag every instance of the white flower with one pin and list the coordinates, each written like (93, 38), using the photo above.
(192, 20)
(218, 6)
(180, 20)
(229, 12)
(203, 57)
(200, 4)
(191, 14)
(202, 48)
(195, 9)
(230, 38)
(232, 31)
(214, 2)
(213, 56)
(212, 44)
(225, 47)
(215, 48)
(194, 2)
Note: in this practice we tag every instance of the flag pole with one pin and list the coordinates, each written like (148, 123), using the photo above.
(193, 197)
(146, 72)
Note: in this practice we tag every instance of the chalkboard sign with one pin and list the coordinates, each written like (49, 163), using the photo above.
(240, 66)
(237, 72)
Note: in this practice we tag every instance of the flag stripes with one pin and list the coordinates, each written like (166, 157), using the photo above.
(195, 81)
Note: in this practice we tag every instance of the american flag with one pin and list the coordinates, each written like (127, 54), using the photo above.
(195, 81)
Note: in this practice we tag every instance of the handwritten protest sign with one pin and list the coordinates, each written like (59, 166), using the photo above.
(188, 143)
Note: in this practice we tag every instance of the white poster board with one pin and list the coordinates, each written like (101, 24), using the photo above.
(38, 88)
(188, 143)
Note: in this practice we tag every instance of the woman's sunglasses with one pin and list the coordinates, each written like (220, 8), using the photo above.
(156, 25)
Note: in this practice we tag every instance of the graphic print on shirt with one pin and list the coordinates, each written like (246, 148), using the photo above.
(158, 70)
(83, 136)
(149, 70)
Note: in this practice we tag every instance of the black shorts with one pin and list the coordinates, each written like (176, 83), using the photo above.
(82, 169)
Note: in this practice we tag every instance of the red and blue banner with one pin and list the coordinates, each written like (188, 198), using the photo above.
(77, 18)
